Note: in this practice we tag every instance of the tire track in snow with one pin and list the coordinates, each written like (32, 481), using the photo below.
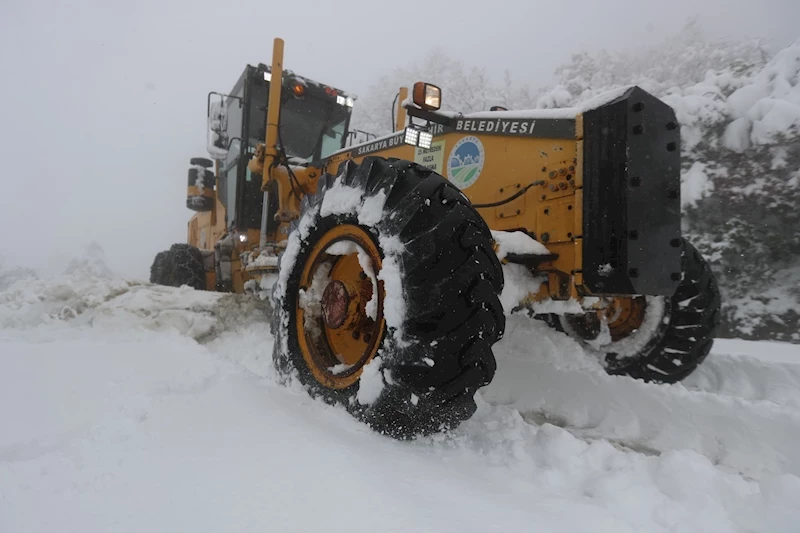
(546, 376)
(754, 371)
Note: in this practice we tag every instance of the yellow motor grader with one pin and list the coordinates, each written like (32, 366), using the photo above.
(384, 260)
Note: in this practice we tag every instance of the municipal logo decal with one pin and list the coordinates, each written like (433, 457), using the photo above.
(466, 162)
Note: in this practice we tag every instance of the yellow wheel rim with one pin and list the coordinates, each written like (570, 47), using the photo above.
(624, 316)
(339, 324)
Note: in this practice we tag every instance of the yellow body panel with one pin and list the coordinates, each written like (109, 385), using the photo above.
(552, 211)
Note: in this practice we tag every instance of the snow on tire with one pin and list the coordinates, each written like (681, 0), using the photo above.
(438, 282)
(676, 333)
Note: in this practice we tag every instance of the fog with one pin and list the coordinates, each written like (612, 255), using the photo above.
(103, 103)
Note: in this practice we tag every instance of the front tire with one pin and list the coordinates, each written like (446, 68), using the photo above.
(674, 335)
(438, 280)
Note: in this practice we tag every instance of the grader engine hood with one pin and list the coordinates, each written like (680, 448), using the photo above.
(631, 200)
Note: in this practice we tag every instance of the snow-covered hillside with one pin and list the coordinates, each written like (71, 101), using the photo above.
(129, 407)
(738, 104)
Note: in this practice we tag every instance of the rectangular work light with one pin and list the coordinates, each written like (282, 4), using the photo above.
(412, 135)
(418, 136)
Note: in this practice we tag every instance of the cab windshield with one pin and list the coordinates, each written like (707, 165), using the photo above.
(311, 127)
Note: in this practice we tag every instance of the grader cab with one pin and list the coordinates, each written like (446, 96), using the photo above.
(385, 260)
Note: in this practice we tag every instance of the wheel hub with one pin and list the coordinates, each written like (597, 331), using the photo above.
(622, 315)
(335, 301)
(625, 316)
(336, 333)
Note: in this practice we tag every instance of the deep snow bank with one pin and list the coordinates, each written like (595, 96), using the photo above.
(118, 419)
(89, 294)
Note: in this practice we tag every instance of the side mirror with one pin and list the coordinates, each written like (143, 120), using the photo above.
(217, 118)
(217, 136)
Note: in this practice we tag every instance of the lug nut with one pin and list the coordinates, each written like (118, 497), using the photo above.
(356, 335)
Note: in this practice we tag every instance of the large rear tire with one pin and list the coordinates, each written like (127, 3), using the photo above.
(658, 339)
(181, 265)
(413, 365)
(158, 268)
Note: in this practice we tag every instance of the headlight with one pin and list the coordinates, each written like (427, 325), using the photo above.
(349, 101)
(242, 238)
(427, 96)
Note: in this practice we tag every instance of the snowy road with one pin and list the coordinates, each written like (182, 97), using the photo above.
(115, 418)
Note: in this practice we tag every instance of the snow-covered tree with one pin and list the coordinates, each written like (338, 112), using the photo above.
(739, 110)
(465, 88)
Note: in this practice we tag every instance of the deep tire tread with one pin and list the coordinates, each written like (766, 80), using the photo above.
(689, 346)
(181, 265)
(451, 283)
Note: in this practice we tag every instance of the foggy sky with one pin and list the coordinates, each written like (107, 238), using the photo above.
(102, 103)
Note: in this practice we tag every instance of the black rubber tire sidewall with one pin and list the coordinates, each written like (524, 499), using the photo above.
(184, 266)
(679, 346)
(449, 272)
(157, 270)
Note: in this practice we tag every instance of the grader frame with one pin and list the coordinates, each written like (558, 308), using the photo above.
(593, 193)
(599, 186)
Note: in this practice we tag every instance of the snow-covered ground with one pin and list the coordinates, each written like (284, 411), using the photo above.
(128, 407)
